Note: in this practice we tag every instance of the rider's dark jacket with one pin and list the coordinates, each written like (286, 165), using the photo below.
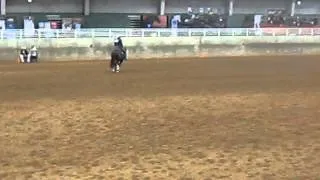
(120, 43)
(24, 52)
(119, 47)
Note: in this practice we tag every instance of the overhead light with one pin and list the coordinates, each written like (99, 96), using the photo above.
(29, 1)
(299, 2)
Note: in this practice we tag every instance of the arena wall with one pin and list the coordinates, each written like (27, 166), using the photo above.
(152, 6)
(165, 47)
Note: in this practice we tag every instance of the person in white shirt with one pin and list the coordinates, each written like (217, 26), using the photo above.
(33, 55)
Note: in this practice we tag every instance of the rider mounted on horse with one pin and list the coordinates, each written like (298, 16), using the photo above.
(118, 54)
(118, 43)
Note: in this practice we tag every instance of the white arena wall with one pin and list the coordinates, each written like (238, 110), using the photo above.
(96, 44)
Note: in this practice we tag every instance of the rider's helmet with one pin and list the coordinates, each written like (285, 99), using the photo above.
(118, 41)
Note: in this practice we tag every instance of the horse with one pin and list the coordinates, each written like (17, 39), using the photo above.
(26, 56)
(117, 57)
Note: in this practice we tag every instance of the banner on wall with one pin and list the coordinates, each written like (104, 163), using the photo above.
(28, 26)
(67, 23)
(77, 23)
(44, 25)
(47, 25)
(55, 21)
(72, 23)
(10, 23)
(154, 21)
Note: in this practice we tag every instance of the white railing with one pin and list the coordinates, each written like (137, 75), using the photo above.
(167, 32)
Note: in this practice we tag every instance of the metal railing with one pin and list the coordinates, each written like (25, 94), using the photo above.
(166, 32)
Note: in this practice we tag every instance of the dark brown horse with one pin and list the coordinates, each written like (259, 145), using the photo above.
(117, 57)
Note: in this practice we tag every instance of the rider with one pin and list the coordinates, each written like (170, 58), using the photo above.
(33, 55)
(118, 42)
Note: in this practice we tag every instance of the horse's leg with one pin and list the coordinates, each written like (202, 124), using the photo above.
(29, 58)
(112, 64)
(118, 66)
(21, 58)
(112, 61)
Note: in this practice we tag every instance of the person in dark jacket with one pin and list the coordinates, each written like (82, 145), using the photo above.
(23, 55)
(118, 43)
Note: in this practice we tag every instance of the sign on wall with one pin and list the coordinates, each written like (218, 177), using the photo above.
(28, 26)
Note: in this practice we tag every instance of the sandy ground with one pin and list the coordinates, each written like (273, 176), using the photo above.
(223, 118)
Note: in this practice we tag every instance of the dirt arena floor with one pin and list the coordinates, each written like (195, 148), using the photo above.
(222, 118)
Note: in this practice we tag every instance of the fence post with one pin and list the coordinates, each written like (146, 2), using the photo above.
(287, 32)
(75, 33)
(312, 32)
(299, 31)
(20, 33)
(219, 32)
(189, 33)
(247, 31)
(92, 33)
(142, 32)
(273, 32)
(109, 32)
(57, 33)
(1, 34)
(128, 32)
